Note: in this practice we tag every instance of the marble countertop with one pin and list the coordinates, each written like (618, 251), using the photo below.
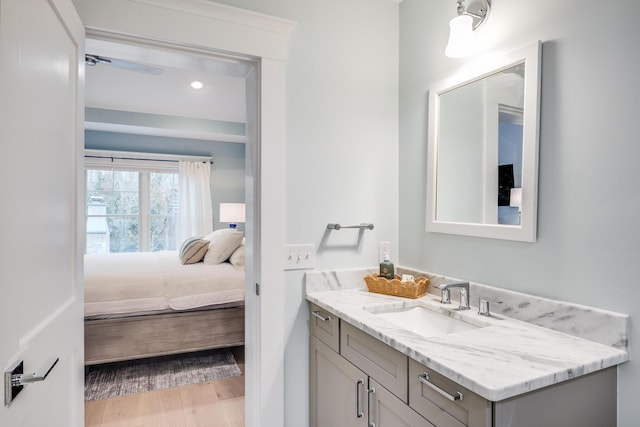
(502, 358)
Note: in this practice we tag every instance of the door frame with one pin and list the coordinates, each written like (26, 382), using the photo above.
(217, 28)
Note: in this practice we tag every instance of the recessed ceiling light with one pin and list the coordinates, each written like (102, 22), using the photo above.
(196, 85)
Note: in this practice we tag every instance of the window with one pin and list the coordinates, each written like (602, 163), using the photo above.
(130, 209)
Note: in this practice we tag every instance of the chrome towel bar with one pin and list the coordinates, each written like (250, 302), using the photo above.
(361, 226)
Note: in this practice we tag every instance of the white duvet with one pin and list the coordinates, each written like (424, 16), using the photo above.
(156, 281)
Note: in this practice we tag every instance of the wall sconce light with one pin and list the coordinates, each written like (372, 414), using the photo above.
(461, 27)
(232, 213)
(515, 198)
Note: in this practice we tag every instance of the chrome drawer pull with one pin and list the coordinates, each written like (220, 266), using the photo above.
(424, 379)
(320, 316)
(359, 413)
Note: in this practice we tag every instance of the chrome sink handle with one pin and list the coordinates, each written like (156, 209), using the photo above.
(483, 306)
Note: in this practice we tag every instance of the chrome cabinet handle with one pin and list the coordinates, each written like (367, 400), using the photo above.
(359, 413)
(424, 379)
(371, 391)
(320, 316)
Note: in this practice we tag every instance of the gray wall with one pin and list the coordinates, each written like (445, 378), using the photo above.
(227, 171)
(588, 246)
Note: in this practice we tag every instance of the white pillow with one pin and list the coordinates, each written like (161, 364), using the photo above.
(237, 257)
(193, 250)
(223, 243)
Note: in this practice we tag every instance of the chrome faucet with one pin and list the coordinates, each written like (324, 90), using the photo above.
(464, 294)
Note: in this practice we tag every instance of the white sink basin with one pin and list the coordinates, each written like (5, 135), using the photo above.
(423, 321)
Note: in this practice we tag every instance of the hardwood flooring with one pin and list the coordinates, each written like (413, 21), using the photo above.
(213, 404)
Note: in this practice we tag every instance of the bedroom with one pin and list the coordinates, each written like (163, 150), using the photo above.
(139, 122)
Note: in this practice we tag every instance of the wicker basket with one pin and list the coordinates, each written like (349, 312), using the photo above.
(395, 287)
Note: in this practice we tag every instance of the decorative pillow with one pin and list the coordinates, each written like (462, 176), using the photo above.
(237, 257)
(223, 243)
(193, 250)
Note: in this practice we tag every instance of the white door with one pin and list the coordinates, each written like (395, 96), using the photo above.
(41, 121)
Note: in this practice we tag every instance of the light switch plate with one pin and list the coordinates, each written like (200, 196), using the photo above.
(299, 257)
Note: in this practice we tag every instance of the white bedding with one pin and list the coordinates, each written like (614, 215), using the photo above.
(143, 282)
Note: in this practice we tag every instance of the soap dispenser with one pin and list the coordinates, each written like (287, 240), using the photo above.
(386, 267)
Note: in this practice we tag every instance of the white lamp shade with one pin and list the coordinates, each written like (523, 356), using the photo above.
(515, 198)
(460, 37)
(232, 212)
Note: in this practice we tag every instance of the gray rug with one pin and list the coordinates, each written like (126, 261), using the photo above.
(138, 376)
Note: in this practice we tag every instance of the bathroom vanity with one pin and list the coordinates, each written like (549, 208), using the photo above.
(377, 360)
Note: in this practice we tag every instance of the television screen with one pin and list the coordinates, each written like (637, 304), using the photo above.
(505, 184)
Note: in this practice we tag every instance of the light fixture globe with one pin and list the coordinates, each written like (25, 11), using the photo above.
(470, 17)
(196, 85)
(460, 37)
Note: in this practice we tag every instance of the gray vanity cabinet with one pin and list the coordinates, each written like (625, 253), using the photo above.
(357, 380)
(342, 395)
(345, 394)
(337, 389)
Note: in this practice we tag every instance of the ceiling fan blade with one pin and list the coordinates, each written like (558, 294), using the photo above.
(92, 60)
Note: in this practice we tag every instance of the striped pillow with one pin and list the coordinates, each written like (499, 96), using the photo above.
(193, 250)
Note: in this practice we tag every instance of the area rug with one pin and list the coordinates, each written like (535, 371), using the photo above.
(137, 376)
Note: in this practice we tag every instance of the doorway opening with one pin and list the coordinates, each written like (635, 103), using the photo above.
(189, 127)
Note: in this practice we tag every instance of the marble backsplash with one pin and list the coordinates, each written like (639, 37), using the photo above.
(601, 326)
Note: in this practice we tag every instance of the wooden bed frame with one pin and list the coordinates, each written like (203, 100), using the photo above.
(136, 337)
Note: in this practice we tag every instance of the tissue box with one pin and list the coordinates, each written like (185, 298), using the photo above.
(412, 289)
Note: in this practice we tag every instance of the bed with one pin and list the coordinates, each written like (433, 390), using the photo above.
(149, 304)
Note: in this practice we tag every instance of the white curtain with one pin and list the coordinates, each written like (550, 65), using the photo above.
(195, 216)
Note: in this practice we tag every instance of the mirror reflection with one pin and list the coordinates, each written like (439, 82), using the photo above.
(483, 148)
(480, 150)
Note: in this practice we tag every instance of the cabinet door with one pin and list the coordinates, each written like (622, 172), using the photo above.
(386, 410)
(337, 389)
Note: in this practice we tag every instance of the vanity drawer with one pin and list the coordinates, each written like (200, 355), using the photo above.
(429, 399)
(325, 326)
(387, 365)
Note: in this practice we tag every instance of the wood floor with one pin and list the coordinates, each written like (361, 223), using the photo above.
(214, 404)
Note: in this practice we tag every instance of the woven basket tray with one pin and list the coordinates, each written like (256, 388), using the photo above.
(395, 287)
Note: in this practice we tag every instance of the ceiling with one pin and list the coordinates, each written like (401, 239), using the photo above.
(108, 87)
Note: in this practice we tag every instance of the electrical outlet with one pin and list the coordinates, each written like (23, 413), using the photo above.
(384, 247)
(299, 257)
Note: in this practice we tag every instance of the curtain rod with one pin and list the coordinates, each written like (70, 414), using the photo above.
(135, 158)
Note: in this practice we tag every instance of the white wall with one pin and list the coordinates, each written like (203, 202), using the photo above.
(341, 149)
(587, 249)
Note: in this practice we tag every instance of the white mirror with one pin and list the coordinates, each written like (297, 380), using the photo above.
(483, 149)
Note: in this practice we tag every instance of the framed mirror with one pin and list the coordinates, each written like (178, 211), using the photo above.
(483, 149)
